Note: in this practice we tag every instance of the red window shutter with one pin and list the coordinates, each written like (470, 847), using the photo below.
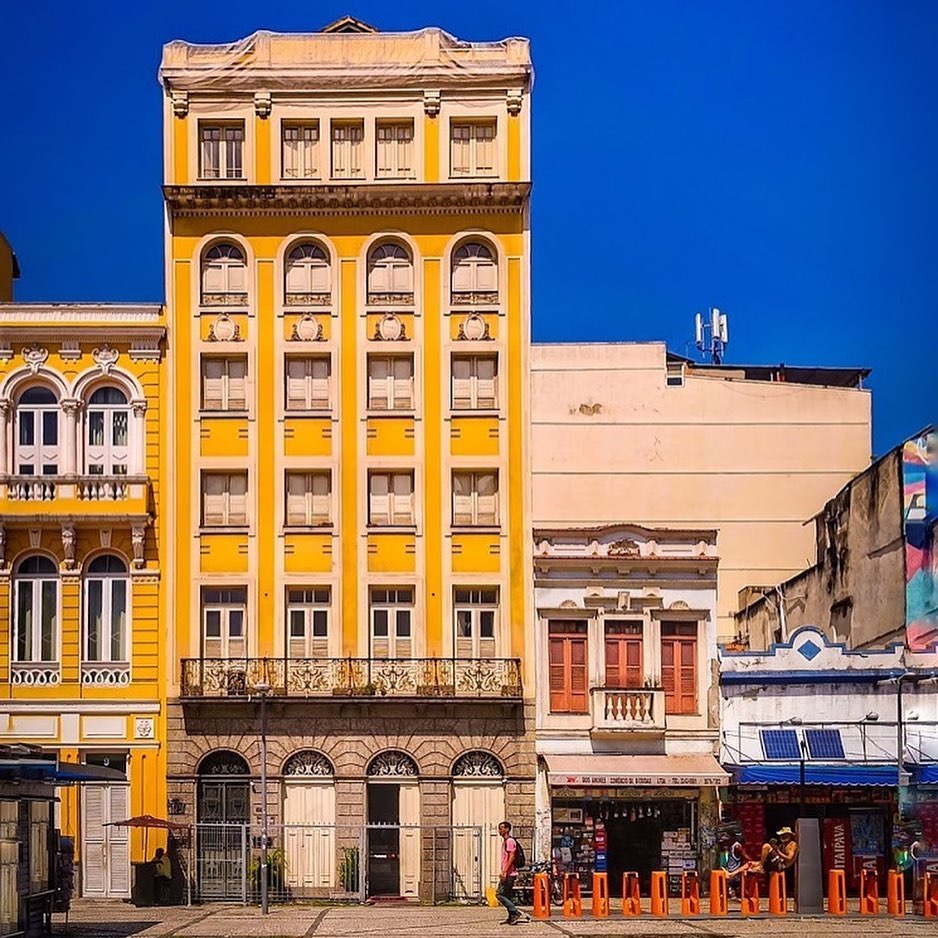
(579, 684)
(679, 674)
(687, 688)
(557, 675)
(623, 662)
(667, 675)
(568, 676)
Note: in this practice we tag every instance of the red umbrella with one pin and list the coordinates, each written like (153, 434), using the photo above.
(147, 820)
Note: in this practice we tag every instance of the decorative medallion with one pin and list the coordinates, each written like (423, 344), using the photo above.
(144, 728)
(105, 358)
(393, 764)
(809, 650)
(35, 357)
(224, 329)
(679, 604)
(477, 765)
(390, 329)
(307, 329)
(308, 762)
(474, 328)
(624, 548)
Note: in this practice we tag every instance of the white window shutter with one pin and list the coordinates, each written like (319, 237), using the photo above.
(378, 369)
(291, 152)
(462, 498)
(486, 276)
(403, 383)
(462, 383)
(379, 508)
(462, 277)
(237, 499)
(237, 384)
(319, 392)
(296, 277)
(486, 392)
(213, 498)
(237, 277)
(403, 505)
(487, 497)
(296, 498)
(321, 498)
(296, 383)
(213, 277)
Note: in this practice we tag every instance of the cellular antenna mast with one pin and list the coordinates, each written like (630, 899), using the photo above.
(712, 334)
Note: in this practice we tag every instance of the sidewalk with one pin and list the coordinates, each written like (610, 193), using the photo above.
(92, 919)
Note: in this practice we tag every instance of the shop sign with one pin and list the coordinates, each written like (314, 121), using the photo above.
(644, 781)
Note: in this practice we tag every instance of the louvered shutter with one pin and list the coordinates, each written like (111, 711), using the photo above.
(578, 677)
(355, 150)
(93, 862)
(378, 369)
(296, 276)
(237, 277)
(237, 383)
(237, 498)
(485, 149)
(236, 638)
(384, 161)
(687, 681)
(319, 383)
(403, 383)
(464, 642)
(213, 498)
(296, 383)
(462, 498)
(486, 280)
(380, 634)
(403, 500)
(487, 497)
(319, 644)
(405, 138)
(623, 661)
(403, 634)
(296, 623)
(213, 372)
(462, 383)
(119, 846)
(379, 499)
(485, 383)
(212, 638)
(320, 498)
(557, 675)
(339, 151)
(668, 675)
(460, 149)
(291, 152)
(213, 277)
(296, 498)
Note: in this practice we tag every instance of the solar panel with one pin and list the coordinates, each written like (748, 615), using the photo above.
(824, 744)
(781, 745)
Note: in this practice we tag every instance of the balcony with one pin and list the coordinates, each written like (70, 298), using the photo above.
(468, 678)
(627, 710)
(107, 497)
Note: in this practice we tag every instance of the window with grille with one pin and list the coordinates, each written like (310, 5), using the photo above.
(224, 617)
(391, 498)
(391, 382)
(475, 382)
(567, 667)
(392, 614)
(347, 145)
(300, 149)
(224, 382)
(308, 622)
(679, 666)
(394, 149)
(472, 148)
(307, 276)
(308, 382)
(309, 498)
(221, 149)
(390, 275)
(224, 276)
(475, 612)
(474, 275)
(475, 498)
(624, 666)
(224, 498)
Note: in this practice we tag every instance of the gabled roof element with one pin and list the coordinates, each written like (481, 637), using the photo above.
(348, 24)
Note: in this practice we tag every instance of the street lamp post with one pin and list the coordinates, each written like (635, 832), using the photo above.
(262, 690)
(804, 755)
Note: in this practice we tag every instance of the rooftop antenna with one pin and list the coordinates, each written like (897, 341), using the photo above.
(712, 334)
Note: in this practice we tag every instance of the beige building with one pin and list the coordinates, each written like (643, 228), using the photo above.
(628, 433)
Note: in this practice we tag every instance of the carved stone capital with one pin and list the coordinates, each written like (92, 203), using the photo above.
(139, 407)
(5, 406)
(513, 100)
(262, 104)
(431, 103)
(70, 405)
(180, 103)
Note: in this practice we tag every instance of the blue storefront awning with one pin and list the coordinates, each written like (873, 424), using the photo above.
(837, 775)
(925, 774)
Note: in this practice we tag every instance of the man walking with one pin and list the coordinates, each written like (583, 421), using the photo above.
(506, 876)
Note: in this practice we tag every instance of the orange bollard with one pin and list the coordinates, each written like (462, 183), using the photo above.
(836, 892)
(930, 896)
(895, 893)
(572, 903)
(659, 894)
(541, 896)
(690, 893)
(869, 892)
(778, 894)
(600, 907)
(719, 893)
(631, 894)
(749, 891)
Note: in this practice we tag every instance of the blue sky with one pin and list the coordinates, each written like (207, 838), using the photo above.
(777, 159)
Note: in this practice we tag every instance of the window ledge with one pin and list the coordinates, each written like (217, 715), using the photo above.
(224, 529)
(229, 414)
(319, 413)
(392, 528)
(476, 529)
(221, 180)
(370, 414)
(327, 527)
(474, 412)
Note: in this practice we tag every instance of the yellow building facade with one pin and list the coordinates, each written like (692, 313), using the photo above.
(348, 292)
(82, 663)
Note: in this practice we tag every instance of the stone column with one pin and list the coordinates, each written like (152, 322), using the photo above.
(137, 438)
(70, 408)
(6, 466)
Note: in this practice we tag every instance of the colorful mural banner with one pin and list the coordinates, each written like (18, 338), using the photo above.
(920, 492)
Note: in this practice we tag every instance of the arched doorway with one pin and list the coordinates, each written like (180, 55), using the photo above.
(478, 809)
(393, 825)
(223, 815)
(309, 823)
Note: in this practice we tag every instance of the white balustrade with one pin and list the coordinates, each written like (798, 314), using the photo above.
(31, 489)
(35, 673)
(105, 674)
(628, 708)
(103, 488)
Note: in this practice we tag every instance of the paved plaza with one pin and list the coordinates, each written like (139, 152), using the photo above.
(120, 920)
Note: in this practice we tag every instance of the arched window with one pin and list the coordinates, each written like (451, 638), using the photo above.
(223, 762)
(37, 433)
(106, 610)
(392, 764)
(390, 275)
(108, 436)
(307, 763)
(36, 610)
(307, 277)
(224, 276)
(477, 764)
(475, 274)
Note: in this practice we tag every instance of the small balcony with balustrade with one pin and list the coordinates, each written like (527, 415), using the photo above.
(475, 679)
(32, 498)
(618, 711)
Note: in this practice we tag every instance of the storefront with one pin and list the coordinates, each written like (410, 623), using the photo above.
(623, 813)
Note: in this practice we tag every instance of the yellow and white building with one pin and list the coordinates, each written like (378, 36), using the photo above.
(81, 662)
(347, 268)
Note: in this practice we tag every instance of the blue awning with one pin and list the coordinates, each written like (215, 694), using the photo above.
(55, 772)
(838, 775)
(925, 774)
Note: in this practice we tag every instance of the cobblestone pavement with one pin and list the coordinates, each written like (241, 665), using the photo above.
(119, 920)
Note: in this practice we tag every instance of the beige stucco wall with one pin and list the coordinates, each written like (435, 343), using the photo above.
(756, 460)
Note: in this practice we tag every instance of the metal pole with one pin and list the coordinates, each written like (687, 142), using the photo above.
(264, 857)
(802, 778)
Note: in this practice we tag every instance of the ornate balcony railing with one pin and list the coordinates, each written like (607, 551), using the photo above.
(487, 678)
(31, 488)
(96, 488)
(627, 709)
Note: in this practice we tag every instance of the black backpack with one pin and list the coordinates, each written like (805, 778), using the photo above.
(521, 861)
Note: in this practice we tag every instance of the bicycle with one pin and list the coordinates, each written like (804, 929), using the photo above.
(524, 883)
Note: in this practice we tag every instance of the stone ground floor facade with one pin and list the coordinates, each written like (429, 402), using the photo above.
(377, 796)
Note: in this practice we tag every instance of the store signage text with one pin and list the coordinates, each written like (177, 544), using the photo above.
(686, 781)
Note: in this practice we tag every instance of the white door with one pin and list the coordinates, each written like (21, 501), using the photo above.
(309, 834)
(410, 838)
(477, 804)
(105, 850)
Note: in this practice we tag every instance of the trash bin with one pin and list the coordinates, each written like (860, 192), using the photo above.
(143, 886)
